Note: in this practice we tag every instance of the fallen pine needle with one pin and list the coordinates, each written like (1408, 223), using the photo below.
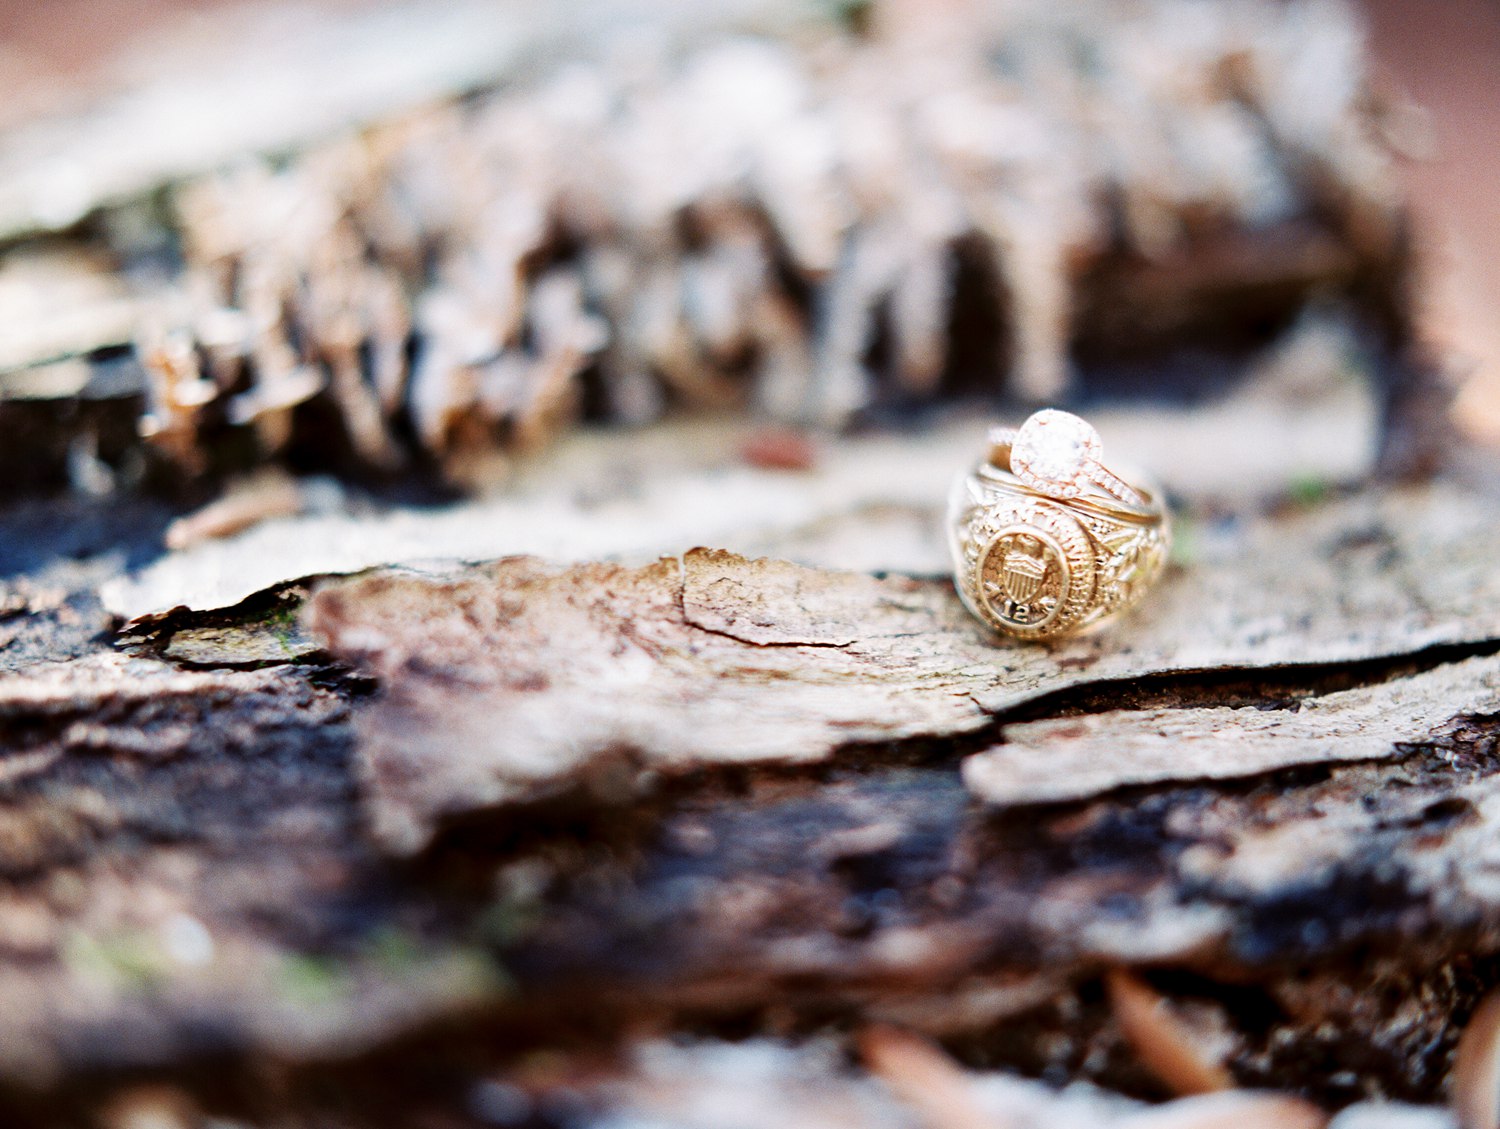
(1165, 1045)
(926, 1079)
(1476, 1068)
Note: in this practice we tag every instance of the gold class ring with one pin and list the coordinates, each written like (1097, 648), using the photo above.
(1046, 540)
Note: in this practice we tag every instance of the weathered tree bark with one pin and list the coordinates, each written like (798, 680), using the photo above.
(534, 806)
(353, 810)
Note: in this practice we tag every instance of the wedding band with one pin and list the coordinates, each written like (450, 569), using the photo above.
(1046, 540)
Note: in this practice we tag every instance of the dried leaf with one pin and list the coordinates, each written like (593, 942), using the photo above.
(58, 303)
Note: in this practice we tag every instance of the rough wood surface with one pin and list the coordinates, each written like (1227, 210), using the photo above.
(872, 885)
(518, 681)
(627, 834)
(221, 858)
(1077, 758)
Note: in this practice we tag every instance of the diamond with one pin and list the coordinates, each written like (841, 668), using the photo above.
(1054, 452)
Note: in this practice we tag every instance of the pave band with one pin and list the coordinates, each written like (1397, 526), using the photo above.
(1038, 563)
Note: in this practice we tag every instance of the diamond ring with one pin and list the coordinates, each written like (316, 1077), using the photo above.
(1058, 454)
(1046, 541)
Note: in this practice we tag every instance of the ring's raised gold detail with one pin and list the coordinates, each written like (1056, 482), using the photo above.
(1045, 540)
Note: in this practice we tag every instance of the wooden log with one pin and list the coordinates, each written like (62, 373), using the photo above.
(209, 860)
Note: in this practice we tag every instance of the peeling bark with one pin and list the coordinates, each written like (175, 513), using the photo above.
(515, 682)
(627, 834)
(1082, 757)
(144, 807)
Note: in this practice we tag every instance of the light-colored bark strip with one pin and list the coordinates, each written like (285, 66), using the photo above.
(1074, 758)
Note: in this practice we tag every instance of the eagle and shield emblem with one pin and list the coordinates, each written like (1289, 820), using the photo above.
(1021, 575)
(1023, 579)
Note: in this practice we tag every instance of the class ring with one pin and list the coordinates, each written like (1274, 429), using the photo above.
(1048, 542)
